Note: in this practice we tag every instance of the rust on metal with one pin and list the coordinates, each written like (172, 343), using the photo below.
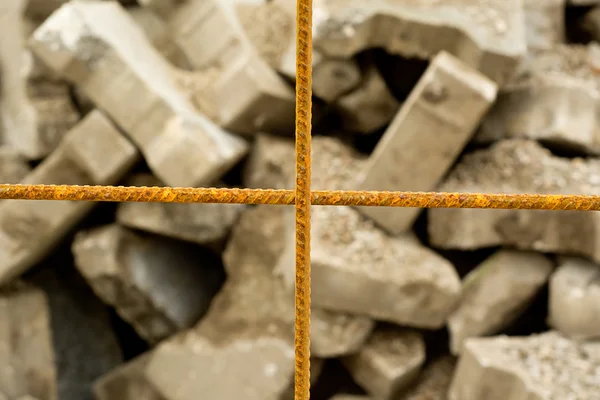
(142, 194)
(303, 197)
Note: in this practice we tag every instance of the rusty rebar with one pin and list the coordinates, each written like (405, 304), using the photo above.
(303, 196)
(566, 202)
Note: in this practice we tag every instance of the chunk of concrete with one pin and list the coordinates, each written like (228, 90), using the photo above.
(18, 117)
(388, 363)
(13, 167)
(410, 285)
(207, 224)
(248, 95)
(495, 293)
(336, 334)
(94, 152)
(370, 106)
(519, 166)
(271, 28)
(159, 286)
(126, 382)
(544, 23)
(433, 382)
(488, 36)
(270, 163)
(244, 346)
(574, 299)
(556, 99)
(537, 367)
(83, 40)
(85, 344)
(26, 351)
(424, 139)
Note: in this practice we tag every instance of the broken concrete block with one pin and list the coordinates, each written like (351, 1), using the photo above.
(249, 327)
(270, 26)
(243, 332)
(433, 382)
(519, 166)
(487, 36)
(574, 299)
(555, 99)
(248, 95)
(126, 382)
(159, 286)
(205, 224)
(544, 23)
(18, 117)
(26, 351)
(370, 106)
(346, 246)
(13, 167)
(388, 363)
(182, 147)
(270, 163)
(495, 293)
(85, 344)
(336, 334)
(424, 139)
(537, 367)
(94, 152)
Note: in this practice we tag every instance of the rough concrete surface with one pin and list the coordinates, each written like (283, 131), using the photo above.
(489, 35)
(519, 166)
(26, 351)
(388, 362)
(206, 224)
(159, 286)
(495, 293)
(573, 304)
(546, 366)
(555, 98)
(425, 137)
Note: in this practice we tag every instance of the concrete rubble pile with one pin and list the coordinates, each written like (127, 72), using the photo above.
(154, 301)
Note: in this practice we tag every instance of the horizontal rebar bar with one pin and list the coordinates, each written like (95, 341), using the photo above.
(287, 197)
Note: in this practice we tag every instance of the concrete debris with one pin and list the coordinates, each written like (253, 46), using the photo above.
(544, 23)
(248, 96)
(495, 293)
(206, 224)
(85, 344)
(574, 306)
(444, 109)
(546, 366)
(487, 35)
(351, 255)
(127, 382)
(160, 287)
(519, 166)
(556, 99)
(93, 56)
(26, 351)
(92, 153)
(388, 362)
(271, 28)
(162, 8)
(18, 117)
(248, 330)
(370, 106)
(433, 382)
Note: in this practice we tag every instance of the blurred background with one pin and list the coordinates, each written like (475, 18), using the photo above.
(153, 301)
